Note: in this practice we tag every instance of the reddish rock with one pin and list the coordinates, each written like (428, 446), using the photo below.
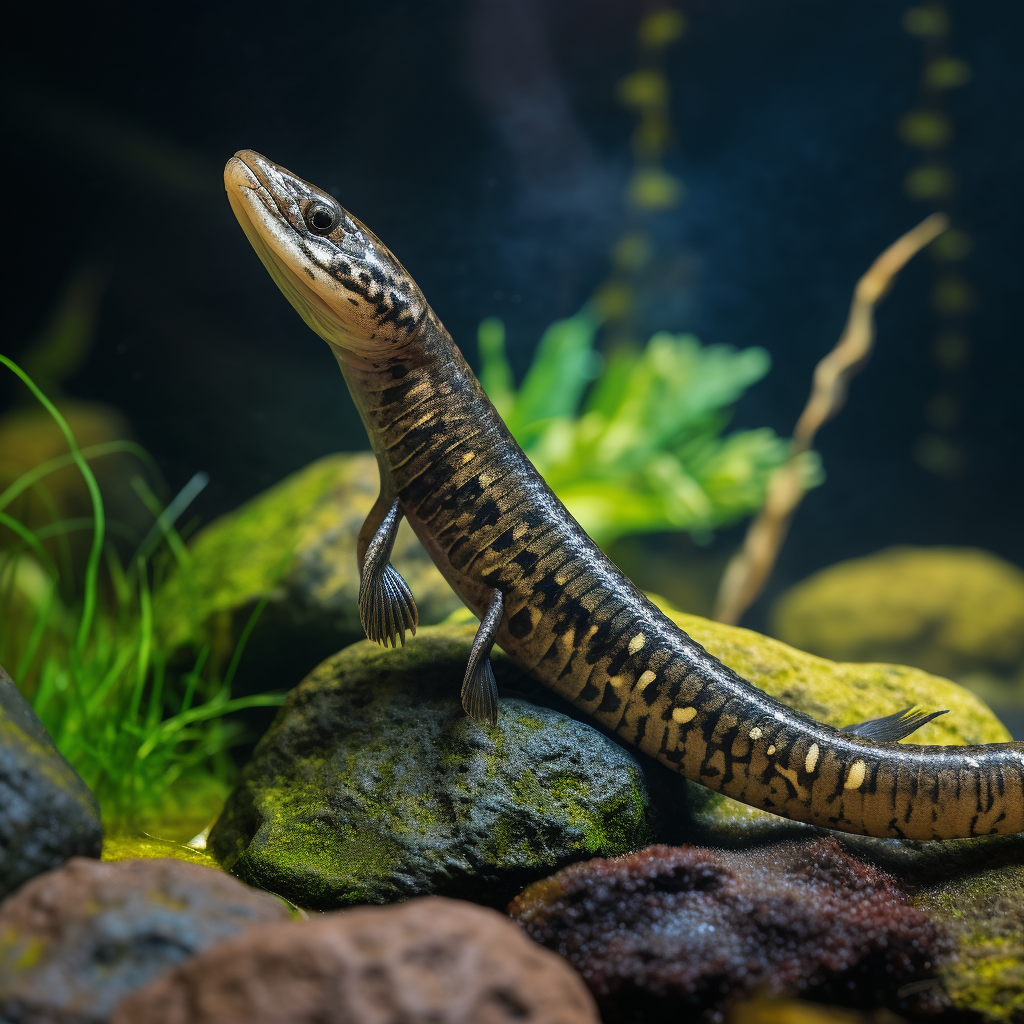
(428, 961)
(75, 940)
(668, 929)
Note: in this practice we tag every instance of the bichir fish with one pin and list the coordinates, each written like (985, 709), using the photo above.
(543, 590)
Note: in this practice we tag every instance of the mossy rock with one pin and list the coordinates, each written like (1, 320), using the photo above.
(952, 611)
(984, 913)
(295, 545)
(372, 786)
(839, 693)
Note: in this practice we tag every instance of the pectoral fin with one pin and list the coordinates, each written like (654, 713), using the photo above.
(479, 689)
(386, 605)
(892, 727)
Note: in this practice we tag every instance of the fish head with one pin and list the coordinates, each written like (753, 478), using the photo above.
(341, 279)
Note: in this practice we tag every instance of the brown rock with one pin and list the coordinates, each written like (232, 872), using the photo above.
(429, 960)
(75, 940)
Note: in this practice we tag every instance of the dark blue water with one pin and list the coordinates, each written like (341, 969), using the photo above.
(482, 142)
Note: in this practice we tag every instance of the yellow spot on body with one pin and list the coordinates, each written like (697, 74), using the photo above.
(771, 748)
(618, 682)
(855, 776)
(637, 643)
(646, 678)
(468, 457)
(755, 733)
(683, 715)
(812, 758)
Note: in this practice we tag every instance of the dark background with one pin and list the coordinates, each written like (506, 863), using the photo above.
(482, 141)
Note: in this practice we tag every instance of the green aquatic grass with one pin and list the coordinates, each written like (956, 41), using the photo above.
(634, 443)
(145, 730)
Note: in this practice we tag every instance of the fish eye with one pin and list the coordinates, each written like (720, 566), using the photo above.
(322, 218)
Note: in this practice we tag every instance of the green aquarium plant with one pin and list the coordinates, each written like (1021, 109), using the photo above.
(146, 733)
(634, 443)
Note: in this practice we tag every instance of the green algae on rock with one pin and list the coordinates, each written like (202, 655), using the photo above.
(984, 912)
(952, 611)
(373, 785)
(839, 693)
(295, 545)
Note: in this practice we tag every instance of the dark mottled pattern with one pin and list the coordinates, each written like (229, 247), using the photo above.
(581, 627)
(679, 933)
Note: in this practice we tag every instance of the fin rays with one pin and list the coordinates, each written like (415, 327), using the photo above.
(386, 605)
(892, 727)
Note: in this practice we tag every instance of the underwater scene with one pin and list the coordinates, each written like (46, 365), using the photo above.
(510, 511)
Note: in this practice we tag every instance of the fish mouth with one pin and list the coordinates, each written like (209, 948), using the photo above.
(251, 179)
(265, 202)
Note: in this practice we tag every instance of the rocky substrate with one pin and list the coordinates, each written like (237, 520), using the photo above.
(373, 785)
(47, 813)
(656, 899)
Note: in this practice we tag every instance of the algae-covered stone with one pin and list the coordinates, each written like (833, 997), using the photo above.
(47, 813)
(373, 785)
(840, 693)
(294, 545)
(951, 611)
(984, 913)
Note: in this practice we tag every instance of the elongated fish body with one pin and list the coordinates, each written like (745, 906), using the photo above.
(548, 595)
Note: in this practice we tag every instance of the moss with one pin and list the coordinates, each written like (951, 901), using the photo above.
(373, 785)
(984, 913)
(947, 610)
(127, 846)
(295, 544)
(841, 693)
(240, 557)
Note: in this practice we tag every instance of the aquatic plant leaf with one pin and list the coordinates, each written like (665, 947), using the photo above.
(561, 371)
(639, 448)
(495, 371)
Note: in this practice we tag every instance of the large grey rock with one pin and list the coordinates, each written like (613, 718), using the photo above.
(75, 940)
(373, 785)
(47, 813)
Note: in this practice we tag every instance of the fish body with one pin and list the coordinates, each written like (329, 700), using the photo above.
(544, 590)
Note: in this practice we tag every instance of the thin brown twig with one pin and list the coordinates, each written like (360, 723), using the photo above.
(747, 572)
